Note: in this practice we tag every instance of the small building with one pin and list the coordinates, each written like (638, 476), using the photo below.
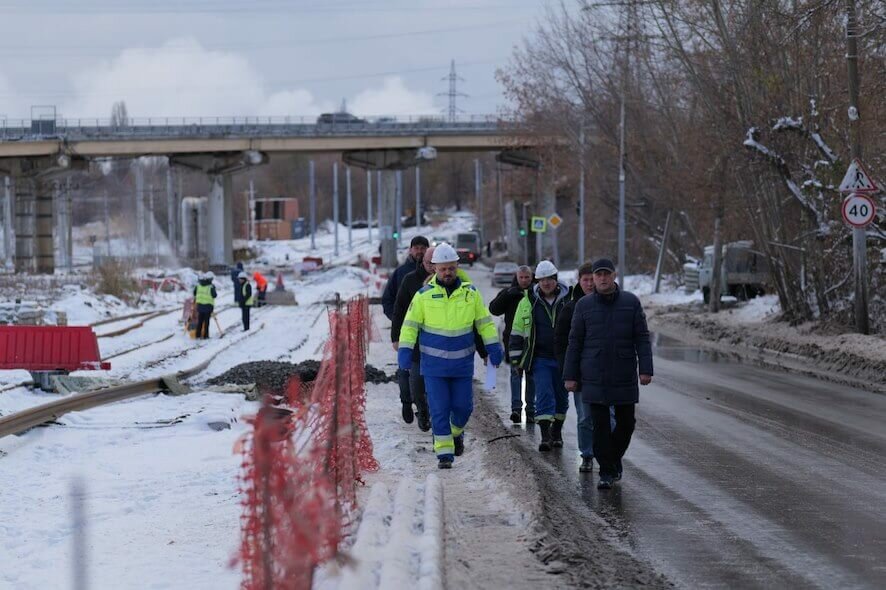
(277, 218)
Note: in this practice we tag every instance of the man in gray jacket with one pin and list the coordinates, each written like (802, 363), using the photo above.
(608, 340)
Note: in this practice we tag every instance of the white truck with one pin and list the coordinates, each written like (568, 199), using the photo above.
(744, 272)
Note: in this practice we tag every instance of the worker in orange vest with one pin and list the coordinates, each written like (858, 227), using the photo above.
(261, 284)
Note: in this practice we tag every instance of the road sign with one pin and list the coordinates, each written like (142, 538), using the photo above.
(857, 180)
(539, 224)
(858, 210)
(555, 220)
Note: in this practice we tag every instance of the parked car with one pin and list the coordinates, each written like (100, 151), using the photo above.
(503, 274)
(468, 247)
(338, 118)
(437, 240)
(744, 272)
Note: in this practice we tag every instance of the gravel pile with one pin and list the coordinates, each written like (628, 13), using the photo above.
(269, 376)
(374, 375)
(272, 376)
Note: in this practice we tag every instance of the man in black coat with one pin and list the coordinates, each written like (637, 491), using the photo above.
(607, 341)
(415, 393)
(505, 303)
(417, 248)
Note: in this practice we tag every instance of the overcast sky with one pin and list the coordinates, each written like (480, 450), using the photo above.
(170, 58)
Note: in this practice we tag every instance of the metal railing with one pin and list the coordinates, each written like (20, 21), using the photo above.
(214, 127)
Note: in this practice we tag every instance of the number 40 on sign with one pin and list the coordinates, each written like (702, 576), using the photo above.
(858, 210)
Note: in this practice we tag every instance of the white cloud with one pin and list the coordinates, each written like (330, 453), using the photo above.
(182, 78)
(393, 98)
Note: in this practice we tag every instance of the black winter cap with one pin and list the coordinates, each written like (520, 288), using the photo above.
(420, 241)
(603, 264)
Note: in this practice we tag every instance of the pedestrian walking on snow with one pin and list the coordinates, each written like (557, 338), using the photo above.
(608, 345)
(441, 321)
(505, 303)
(531, 347)
(585, 427)
(204, 297)
(246, 299)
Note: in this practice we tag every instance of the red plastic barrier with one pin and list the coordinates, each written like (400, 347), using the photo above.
(301, 466)
(50, 348)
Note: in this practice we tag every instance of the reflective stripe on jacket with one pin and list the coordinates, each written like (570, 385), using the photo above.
(446, 326)
(246, 292)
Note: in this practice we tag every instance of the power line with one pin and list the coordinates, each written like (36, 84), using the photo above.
(52, 51)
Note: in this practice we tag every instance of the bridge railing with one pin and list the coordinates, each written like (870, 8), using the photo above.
(96, 128)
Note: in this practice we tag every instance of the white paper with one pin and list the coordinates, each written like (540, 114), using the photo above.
(491, 372)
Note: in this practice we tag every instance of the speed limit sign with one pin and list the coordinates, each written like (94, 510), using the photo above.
(858, 210)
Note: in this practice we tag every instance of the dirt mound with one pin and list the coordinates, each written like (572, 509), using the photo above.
(272, 376)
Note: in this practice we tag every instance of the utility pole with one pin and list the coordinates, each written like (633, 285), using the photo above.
(417, 199)
(312, 192)
(478, 196)
(661, 252)
(251, 233)
(335, 207)
(350, 210)
(581, 196)
(453, 93)
(621, 184)
(107, 225)
(7, 222)
(859, 235)
(398, 175)
(369, 204)
(501, 205)
(171, 210)
(69, 226)
(139, 207)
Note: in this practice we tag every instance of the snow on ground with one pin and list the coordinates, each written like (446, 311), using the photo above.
(161, 495)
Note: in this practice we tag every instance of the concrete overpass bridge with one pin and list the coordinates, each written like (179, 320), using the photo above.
(34, 153)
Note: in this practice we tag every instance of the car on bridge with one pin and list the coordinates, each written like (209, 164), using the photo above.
(339, 118)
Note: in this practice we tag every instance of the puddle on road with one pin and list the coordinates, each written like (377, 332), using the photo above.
(674, 350)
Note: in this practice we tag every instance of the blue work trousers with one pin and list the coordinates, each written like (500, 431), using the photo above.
(451, 401)
(585, 424)
(551, 399)
(517, 381)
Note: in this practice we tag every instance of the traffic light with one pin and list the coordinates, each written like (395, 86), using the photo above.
(522, 232)
(396, 235)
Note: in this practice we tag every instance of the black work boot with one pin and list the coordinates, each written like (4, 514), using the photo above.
(424, 421)
(557, 434)
(459, 445)
(444, 463)
(515, 416)
(545, 444)
(408, 414)
(530, 416)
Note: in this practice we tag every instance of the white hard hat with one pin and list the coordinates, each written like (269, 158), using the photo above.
(444, 253)
(545, 269)
(209, 276)
(243, 275)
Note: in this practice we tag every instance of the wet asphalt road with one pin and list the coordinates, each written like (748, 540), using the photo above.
(739, 476)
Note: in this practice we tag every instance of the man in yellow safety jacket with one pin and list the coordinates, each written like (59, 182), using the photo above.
(441, 321)
(204, 297)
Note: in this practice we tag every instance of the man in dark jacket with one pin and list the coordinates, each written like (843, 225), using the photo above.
(417, 248)
(608, 339)
(204, 297)
(246, 298)
(409, 286)
(235, 278)
(505, 303)
(585, 427)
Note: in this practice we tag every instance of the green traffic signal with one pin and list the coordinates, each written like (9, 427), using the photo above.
(396, 235)
(522, 232)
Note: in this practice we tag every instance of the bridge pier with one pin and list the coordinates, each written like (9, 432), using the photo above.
(220, 227)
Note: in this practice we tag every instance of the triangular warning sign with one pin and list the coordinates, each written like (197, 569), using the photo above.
(857, 180)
